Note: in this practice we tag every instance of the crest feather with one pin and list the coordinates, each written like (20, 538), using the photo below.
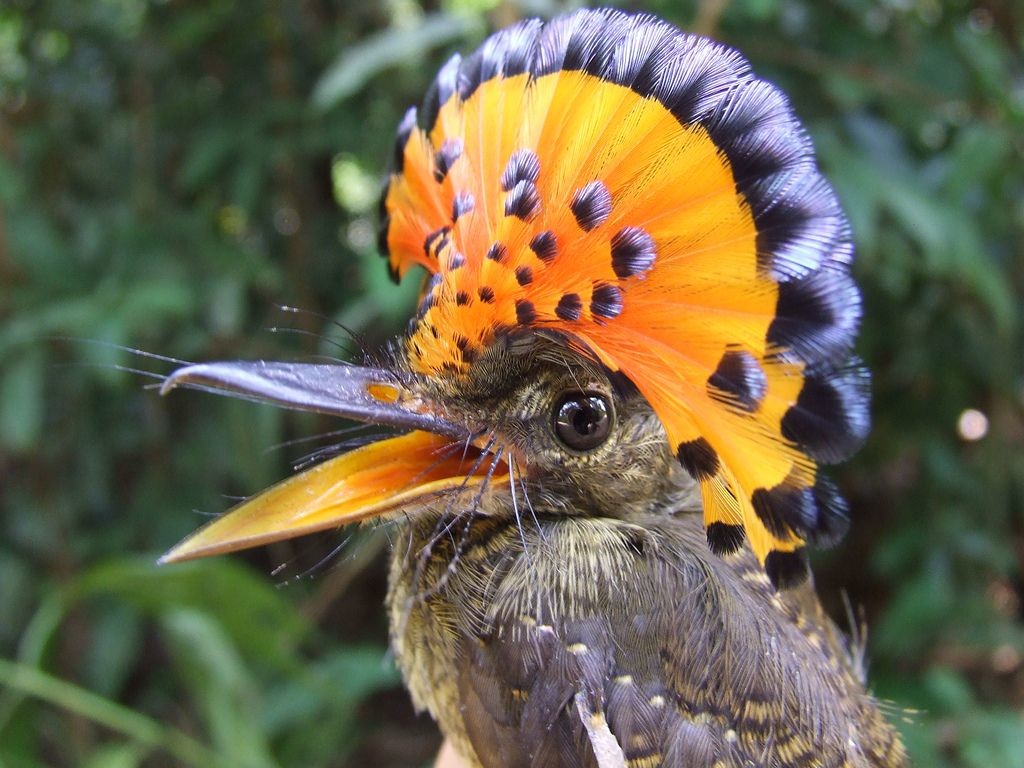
(639, 191)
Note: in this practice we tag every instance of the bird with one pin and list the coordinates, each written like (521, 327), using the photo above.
(606, 427)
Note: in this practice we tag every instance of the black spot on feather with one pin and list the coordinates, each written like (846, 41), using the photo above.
(759, 127)
(830, 418)
(817, 514)
(633, 252)
(504, 54)
(440, 90)
(816, 318)
(523, 201)
(785, 508)
(569, 307)
(724, 539)
(402, 138)
(800, 225)
(739, 375)
(524, 275)
(833, 513)
(606, 301)
(697, 78)
(462, 298)
(525, 313)
(545, 245)
(497, 252)
(444, 158)
(786, 569)
(591, 205)
(463, 203)
(430, 292)
(466, 349)
(523, 165)
(698, 458)
(431, 244)
(486, 294)
(426, 303)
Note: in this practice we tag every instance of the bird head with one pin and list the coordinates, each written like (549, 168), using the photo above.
(531, 429)
(637, 300)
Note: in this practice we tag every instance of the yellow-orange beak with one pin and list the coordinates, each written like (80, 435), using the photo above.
(435, 463)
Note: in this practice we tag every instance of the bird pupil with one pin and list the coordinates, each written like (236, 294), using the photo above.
(582, 421)
(586, 419)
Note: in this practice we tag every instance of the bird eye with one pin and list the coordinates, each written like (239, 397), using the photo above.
(582, 421)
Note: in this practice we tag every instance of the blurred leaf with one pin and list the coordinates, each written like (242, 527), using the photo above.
(141, 729)
(354, 68)
(949, 690)
(21, 401)
(328, 691)
(114, 645)
(116, 756)
(994, 738)
(222, 685)
(263, 622)
(354, 188)
(208, 156)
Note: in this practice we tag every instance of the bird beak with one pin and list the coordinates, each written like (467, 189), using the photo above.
(432, 463)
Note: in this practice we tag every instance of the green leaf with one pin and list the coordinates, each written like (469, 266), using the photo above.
(141, 729)
(361, 62)
(116, 756)
(22, 383)
(222, 685)
(265, 624)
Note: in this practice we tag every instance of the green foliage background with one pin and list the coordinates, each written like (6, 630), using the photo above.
(171, 172)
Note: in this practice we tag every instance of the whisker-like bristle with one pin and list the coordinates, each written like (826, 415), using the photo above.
(356, 337)
(336, 449)
(456, 492)
(447, 521)
(529, 505)
(319, 337)
(519, 522)
(122, 348)
(444, 453)
(319, 436)
(321, 564)
(158, 377)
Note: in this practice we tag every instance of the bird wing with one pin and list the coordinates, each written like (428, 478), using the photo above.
(693, 661)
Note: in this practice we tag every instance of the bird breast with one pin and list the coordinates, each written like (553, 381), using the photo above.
(577, 641)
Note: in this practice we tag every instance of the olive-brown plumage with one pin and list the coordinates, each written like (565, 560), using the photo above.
(631, 636)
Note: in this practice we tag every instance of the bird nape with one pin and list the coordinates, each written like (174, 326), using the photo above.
(631, 359)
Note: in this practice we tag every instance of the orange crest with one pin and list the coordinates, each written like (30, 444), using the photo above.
(641, 192)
